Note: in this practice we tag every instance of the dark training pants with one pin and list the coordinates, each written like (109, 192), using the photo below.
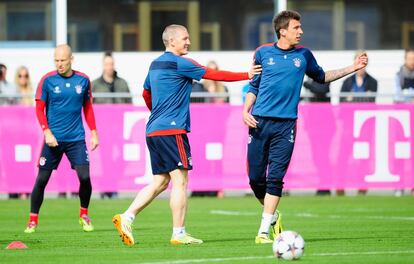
(270, 149)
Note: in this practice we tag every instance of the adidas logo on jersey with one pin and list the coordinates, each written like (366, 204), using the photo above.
(173, 123)
(179, 164)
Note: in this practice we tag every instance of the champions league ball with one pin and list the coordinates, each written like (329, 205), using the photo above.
(288, 245)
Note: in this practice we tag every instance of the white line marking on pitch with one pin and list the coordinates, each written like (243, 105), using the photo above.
(408, 218)
(309, 215)
(225, 212)
(184, 261)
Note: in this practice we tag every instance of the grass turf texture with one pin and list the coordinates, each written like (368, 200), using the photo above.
(336, 230)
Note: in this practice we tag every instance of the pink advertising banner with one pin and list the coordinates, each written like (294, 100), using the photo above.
(337, 146)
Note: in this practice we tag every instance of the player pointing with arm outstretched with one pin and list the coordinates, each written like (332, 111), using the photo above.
(166, 92)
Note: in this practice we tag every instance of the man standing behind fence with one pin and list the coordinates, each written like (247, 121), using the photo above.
(110, 82)
(404, 79)
(63, 93)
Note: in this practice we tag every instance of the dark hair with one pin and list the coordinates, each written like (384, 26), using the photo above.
(409, 50)
(108, 54)
(281, 20)
(2, 66)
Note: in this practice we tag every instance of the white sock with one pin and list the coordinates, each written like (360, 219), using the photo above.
(265, 225)
(178, 231)
(128, 216)
(274, 218)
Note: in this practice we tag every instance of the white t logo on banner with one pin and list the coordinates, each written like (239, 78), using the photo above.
(131, 151)
(401, 149)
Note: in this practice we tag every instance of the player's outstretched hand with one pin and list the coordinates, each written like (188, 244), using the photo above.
(249, 120)
(254, 70)
(50, 139)
(94, 140)
(361, 61)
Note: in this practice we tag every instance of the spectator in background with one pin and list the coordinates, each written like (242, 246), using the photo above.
(214, 87)
(404, 88)
(110, 82)
(404, 83)
(360, 82)
(319, 94)
(6, 88)
(319, 91)
(197, 88)
(24, 86)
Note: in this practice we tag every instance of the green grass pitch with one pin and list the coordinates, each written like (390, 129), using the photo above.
(362, 229)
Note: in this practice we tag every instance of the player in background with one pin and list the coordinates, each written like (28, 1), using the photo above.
(166, 92)
(274, 96)
(63, 93)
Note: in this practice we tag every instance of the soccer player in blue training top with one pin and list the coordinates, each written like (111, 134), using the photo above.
(166, 92)
(274, 96)
(64, 92)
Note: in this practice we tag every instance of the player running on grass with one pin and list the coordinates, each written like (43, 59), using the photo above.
(166, 92)
(63, 93)
(274, 96)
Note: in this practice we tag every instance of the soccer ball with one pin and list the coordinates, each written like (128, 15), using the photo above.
(288, 245)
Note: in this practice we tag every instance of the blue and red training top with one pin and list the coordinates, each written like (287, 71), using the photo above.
(277, 89)
(64, 97)
(167, 90)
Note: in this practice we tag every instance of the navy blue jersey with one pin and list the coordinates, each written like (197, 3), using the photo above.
(277, 89)
(64, 98)
(170, 80)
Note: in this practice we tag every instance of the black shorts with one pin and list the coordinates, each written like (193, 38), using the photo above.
(169, 153)
(76, 152)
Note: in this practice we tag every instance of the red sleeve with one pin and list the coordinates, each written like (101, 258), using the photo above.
(225, 76)
(40, 113)
(89, 115)
(147, 98)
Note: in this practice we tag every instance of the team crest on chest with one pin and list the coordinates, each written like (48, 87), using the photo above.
(78, 89)
(296, 62)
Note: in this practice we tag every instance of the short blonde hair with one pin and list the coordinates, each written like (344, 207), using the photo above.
(169, 32)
